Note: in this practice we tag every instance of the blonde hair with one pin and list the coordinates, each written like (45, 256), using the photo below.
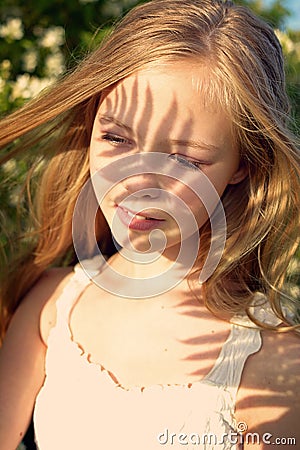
(246, 64)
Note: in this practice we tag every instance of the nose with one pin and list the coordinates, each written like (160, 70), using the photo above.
(142, 186)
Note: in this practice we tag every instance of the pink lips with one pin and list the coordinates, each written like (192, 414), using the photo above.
(135, 223)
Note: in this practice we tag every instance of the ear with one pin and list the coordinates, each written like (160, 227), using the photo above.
(240, 174)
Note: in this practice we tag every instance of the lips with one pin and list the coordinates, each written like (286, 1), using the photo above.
(136, 221)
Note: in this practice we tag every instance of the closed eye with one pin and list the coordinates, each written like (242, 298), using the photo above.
(188, 163)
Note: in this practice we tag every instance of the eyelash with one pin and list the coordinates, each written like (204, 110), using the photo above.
(114, 139)
(117, 141)
(194, 165)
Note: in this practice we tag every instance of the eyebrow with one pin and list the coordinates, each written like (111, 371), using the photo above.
(108, 119)
(198, 145)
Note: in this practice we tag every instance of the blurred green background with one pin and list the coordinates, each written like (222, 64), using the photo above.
(41, 40)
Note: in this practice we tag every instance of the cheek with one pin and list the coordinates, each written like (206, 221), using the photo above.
(203, 202)
(221, 174)
(196, 204)
(97, 154)
(97, 160)
(200, 212)
(93, 159)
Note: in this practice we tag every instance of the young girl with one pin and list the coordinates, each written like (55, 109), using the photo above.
(147, 346)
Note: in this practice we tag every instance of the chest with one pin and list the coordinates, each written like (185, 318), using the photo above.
(166, 340)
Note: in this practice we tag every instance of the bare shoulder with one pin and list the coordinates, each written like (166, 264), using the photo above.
(36, 312)
(35, 303)
(269, 397)
(22, 356)
(25, 331)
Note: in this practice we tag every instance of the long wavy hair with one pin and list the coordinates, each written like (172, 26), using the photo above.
(246, 66)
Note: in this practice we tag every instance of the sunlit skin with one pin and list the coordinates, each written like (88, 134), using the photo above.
(162, 110)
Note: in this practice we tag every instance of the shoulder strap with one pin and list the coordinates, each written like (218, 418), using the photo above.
(241, 343)
(71, 293)
(244, 340)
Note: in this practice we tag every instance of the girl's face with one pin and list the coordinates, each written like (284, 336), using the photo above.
(162, 110)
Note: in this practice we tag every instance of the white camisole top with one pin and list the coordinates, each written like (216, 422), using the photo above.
(81, 407)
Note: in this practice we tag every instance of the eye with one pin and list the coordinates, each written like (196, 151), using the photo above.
(188, 163)
(115, 139)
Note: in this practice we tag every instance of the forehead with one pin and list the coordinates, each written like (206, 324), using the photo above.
(182, 83)
(177, 98)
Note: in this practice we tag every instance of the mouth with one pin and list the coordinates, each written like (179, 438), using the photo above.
(137, 221)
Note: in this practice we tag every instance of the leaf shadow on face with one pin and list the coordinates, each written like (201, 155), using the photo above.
(124, 107)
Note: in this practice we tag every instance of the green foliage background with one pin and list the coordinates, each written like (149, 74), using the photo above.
(40, 40)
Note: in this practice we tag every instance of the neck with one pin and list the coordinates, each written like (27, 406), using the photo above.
(171, 266)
